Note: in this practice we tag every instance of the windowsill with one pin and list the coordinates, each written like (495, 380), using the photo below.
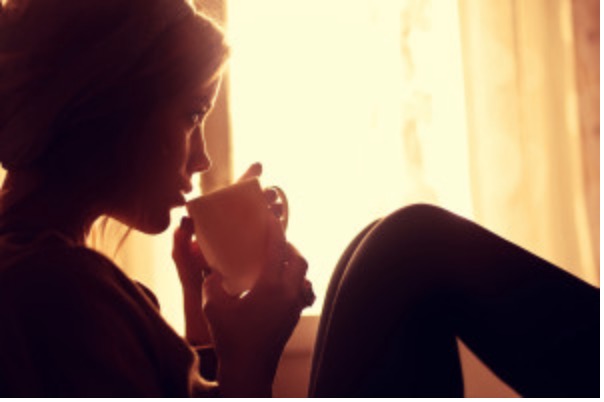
(302, 341)
(293, 374)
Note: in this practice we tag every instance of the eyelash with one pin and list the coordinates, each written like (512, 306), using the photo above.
(198, 115)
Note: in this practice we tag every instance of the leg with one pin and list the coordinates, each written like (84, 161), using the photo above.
(424, 275)
(334, 284)
(374, 345)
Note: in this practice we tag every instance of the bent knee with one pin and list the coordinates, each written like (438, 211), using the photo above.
(408, 248)
(421, 218)
(417, 233)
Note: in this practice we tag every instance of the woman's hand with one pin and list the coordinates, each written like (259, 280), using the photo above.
(274, 203)
(250, 332)
(271, 195)
(191, 266)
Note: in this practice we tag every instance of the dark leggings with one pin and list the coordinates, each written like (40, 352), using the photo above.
(411, 283)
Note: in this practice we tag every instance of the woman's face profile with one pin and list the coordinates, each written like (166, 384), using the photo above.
(169, 150)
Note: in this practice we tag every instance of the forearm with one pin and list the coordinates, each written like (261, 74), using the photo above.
(240, 380)
(196, 327)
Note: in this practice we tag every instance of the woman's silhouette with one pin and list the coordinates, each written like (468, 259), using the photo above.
(102, 105)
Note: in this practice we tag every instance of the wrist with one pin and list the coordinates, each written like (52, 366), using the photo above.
(191, 291)
(245, 379)
(196, 326)
(198, 335)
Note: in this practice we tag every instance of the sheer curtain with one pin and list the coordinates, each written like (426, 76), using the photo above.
(530, 181)
(359, 107)
(532, 88)
(356, 108)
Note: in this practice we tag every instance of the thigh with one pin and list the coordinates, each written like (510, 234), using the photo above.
(534, 324)
(330, 296)
(386, 333)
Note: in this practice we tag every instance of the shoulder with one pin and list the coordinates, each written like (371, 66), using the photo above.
(57, 267)
(74, 284)
(59, 280)
(71, 309)
(48, 257)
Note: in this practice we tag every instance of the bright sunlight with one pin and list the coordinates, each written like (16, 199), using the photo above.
(355, 108)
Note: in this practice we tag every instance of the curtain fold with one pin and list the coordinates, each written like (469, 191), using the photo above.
(526, 150)
(586, 30)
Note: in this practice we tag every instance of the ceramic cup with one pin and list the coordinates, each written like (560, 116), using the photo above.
(231, 227)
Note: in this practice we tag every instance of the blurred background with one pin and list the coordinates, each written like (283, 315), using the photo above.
(489, 108)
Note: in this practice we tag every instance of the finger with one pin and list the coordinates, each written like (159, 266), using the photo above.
(197, 255)
(186, 225)
(255, 170)
(186, 251)
(185, 228)
(277, 210)
(271, 195)
(294, 272)
(182, 238)
(297, 262)
(276, 249)
(308, 294)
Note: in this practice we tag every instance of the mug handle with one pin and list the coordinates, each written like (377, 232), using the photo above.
(285, 216)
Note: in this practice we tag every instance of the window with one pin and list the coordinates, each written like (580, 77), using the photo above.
(341, 101)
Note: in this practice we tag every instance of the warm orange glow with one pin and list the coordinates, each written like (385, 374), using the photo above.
(321, 97)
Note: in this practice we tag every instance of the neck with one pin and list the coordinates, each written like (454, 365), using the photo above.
(32, 206)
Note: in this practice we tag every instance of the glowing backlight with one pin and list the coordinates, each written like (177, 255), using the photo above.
(318, 96)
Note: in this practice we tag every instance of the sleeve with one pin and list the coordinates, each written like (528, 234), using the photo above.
(208, 362)
(149, 294)
(72, 333)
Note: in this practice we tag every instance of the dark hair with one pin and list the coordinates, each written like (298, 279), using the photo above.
(73, 74)
(190, 53)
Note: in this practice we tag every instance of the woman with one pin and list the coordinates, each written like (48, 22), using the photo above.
(101, 114)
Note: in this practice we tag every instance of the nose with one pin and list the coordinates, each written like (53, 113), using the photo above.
(198, 161)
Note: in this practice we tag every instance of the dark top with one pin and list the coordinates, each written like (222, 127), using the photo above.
(72, 324)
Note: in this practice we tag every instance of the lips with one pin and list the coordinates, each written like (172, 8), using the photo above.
(185, 185)
(185, 188)
(178, 200)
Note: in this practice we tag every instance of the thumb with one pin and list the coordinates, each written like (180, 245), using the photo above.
(255, 170)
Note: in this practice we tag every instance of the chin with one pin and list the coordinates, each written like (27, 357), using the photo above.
(157, 226)
(147, 218)
(154, 223)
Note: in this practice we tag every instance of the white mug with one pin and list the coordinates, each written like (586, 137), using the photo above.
(231, 227)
